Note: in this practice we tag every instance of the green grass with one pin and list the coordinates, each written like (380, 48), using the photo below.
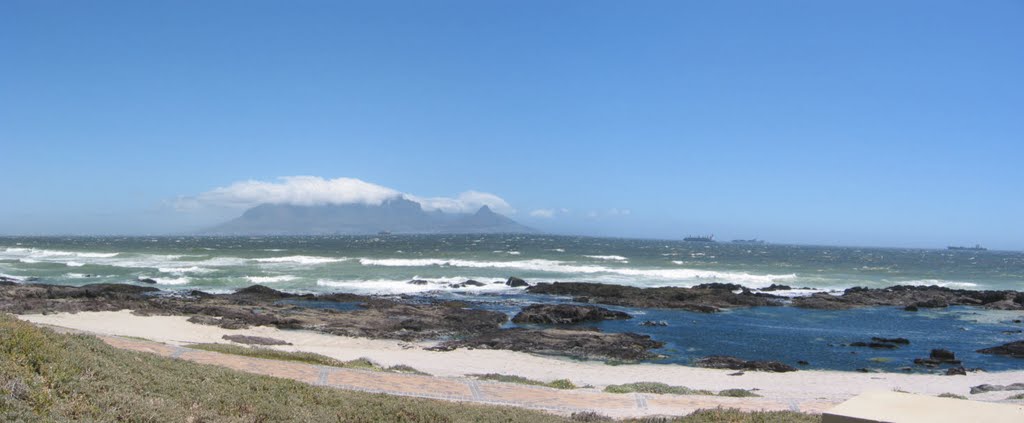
(951, 395)
(495, 377)
(45, 376)
(51, 377)
(1016, 397)
(303, 357)
(661, 388)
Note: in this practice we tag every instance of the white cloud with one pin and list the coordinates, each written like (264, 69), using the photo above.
(314, 190)
(467, 202)
(544, 213)
(619, 212)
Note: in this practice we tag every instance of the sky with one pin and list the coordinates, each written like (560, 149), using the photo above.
(874, 123)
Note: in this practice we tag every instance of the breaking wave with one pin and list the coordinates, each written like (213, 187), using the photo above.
(301, 259)
(397, 287)
(694, 276)
(270, 279)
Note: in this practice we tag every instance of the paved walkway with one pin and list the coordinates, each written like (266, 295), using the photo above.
(467, 390)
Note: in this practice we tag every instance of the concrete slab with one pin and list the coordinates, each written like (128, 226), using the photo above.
(898, 407)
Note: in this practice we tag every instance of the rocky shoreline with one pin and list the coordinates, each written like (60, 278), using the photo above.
(551, 328)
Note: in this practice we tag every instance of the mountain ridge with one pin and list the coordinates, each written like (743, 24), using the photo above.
(398, 216)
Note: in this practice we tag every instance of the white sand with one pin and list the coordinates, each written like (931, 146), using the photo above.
(802, 385)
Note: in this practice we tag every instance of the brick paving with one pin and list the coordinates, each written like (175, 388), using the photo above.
(467, 390)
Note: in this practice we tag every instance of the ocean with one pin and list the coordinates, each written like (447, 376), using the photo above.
(384, 265)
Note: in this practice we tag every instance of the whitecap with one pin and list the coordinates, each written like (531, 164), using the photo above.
(676, 276)
(610, 258)
(938, 282)
(270, 279)
(302, 259)
(402, 286)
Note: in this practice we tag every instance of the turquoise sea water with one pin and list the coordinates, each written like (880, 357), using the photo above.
(384, 265)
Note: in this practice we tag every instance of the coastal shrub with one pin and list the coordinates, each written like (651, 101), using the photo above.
(1016, 397)
(401, 368)
(654, 388)
(46, 376)
(496, 377)
(732, 415)
(739, 393)
(951, 395)
(589, 416)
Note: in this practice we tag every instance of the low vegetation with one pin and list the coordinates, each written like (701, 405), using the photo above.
(46, 376)
(951, 395)
(303, 357)
(661, 388)
(715, 415)
(1016, 397)
(557, 384)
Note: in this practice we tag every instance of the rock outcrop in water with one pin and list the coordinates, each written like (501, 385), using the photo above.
(372, 317)
(261, 306)
(706, 298)
(1012, 349)
(912, 298)
(566, 314)
(585, 344)
(733, 363)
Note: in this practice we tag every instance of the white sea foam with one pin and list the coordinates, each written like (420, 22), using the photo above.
(270, 279)
(301, 259)
(610, 258)
(189, 269)
(169, 281)
(677, 276)
(74, 264)
(938, 282)
(395, 287)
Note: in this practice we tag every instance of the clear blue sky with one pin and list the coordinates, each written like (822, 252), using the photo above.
(835, 122)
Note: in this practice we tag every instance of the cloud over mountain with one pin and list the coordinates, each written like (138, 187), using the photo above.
(314, 190)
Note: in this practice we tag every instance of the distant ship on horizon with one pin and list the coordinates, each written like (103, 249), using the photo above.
(691, 238)
(976, 247)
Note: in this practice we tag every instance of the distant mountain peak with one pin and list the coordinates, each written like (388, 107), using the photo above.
(397, 215)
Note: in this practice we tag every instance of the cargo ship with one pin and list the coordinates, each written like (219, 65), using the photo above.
(709, 238)
(976, 247)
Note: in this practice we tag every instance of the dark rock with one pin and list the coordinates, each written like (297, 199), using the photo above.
(706, 298)
(941, 355)
(254, 340)
(146, 280)
(516, 282)
(956, 371)
(777, 287)
(262, 306)
(654, 323)
(563, 314)
(912, 298)
(465, 284)
(417, 282)
(901, 341)
(733, 363)
(876, 345)
(981, 389)
(590, 344)
(1012, 349)
(803, 363)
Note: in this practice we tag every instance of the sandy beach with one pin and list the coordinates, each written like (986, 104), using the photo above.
(794, 387)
